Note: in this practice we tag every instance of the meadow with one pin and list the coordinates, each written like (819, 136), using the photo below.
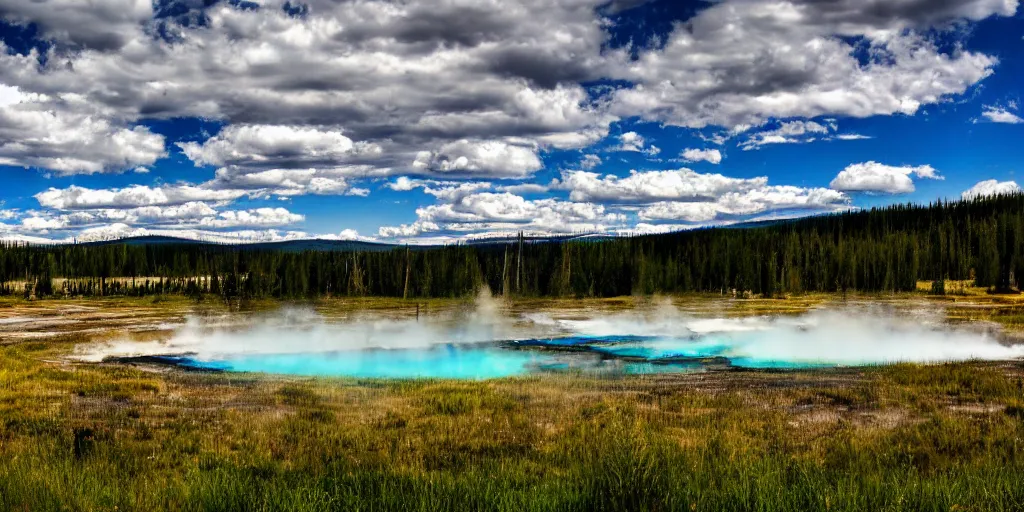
(77, 436)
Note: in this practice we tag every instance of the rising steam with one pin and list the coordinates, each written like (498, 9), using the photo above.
(485, 342)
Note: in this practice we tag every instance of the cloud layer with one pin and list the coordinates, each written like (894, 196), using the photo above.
(466, 101)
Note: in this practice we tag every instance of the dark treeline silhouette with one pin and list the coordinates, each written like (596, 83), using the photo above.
(885, 249)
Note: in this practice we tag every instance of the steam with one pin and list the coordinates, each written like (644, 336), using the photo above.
(293, 330)
(845, 337)
(487, 341)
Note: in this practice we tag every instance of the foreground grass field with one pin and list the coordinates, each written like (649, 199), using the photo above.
(114, 437)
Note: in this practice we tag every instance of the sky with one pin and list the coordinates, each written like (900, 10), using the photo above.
(439, 121)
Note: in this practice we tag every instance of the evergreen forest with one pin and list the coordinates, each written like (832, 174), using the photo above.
(882, 249)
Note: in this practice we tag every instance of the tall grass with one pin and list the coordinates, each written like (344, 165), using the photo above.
(904, 437)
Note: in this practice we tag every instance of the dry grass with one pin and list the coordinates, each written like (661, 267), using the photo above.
(106, 437)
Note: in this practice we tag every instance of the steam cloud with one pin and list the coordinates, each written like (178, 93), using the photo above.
(474, 344)
(843, 337)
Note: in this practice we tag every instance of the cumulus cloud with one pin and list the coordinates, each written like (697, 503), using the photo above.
(418, 75)
(402, 78)
(76, 197)
(479, 159)
(737, 64)
(188, 215)
(634, 142)
(692, 197)
(144, 214)
(68, 142)
(285, 160)
(745, 204)
(8, 214)
(589, 162)
(997, 114)
(278, 146)
(525, 188)
(506, 213)
(650, 186)
(259, 217)
(282, 182)
(991, 188)
(458, 90)
(711, 156)
(875, 178)
(222, 190)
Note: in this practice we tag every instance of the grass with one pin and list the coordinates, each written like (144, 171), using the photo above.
(893, 438)
(902, 437)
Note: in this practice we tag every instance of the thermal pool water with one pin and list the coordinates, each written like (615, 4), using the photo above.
(485, 343)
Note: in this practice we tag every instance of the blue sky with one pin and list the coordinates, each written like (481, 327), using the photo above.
(435, 121)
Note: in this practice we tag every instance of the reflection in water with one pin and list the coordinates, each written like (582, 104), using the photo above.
(485, 344)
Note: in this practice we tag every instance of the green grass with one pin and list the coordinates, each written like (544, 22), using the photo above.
(80, 437)
(902, 437)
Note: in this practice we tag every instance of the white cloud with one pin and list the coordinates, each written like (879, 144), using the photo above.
(282, 182)
(419, 75)
(589, 162)
(10, 96)
(506, 213)
(285, 160)
(634, 142)
(479, 159)
(787, 133)
(278, 146)
(712, 156)
(42, 224)
(991, 188)
(259, 217)
(75, 197)
(178, 216)
(403, 184)
(798, 132)
(749, 203)
(651, 186)
(353, 91)
(449, 191)
(65, 141)
(1001, 115)
(740, 63)
(692, 197)
(351, 234)
(526, 188)
(873, 177)
(402, 77)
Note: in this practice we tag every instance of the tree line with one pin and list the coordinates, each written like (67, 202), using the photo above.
(881, 249)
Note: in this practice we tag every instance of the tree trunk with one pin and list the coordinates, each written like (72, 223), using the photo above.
(405, 290)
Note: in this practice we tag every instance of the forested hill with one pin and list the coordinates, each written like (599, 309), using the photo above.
(880, 249)
(285, 245)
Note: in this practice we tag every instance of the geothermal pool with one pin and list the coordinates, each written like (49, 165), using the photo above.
(487, 343)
